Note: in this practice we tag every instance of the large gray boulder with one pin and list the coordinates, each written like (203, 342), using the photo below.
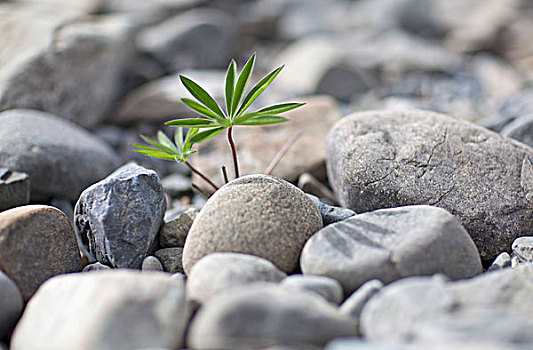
(495, 307)
(389, 244)
(258, 215)
(105, 310)
(263, 315)
(396, 158)
(61, 158)
(119, 217)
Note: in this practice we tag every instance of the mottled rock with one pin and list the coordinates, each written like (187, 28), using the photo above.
(258, 215)
(121, 309)
(259, 316)
(331, 214)
(95, 267)
(494, 307)
(61, 158)
(520, 129)
(11, 304)
(173, 233)
(41, 68)
(523, 249)
(326, 287)
(353, 305)
(14, 189)
(151, 263)
(171, 259)
(307, 154)
(390, 244)
(218, 272)
(120, 216)
(395, 158)
(36, 242)
(502, 261)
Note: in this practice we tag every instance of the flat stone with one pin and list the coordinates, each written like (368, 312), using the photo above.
(119, 309)
(218, 272)
(119, 217)
(388, 159)
(331, 214)
(354, 304)
(258, 215)
(151, 263)
(260, 316)
(11, 304)
(36, 242)
(14, 189)
(61, 158)
(307, 154)
(173, 233)
(494, 307)
(171, 259)
(326, 287)
(390, 244)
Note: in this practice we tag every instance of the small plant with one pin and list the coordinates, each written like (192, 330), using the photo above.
(213, 120)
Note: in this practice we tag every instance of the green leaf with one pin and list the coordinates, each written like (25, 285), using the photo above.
(230, 85)
(244, 77)
(192, 132)
(280, 108)
(258, 89)
(160, 155)
(165, 141)
(202, 110)
(265, 120)
(144, 147)
(201, 95)
(157, 145)
(178, 138)
(206, 135)
(192, 123)
(242, 118)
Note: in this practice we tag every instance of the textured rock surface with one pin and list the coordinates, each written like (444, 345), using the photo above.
(331, 214)
(503, 260)
(307, 154)
(171, 259)
(95, 267)
(493, 307)
(523, 249)
(217, 272)
(389, 159)
(151, 263)
(174, 233)
(11, 304)
(36, 242)
(120, 216)
(389, 244)
(106, 310)
(259, 316)
(328, 288)
(61, 158)
(259, 215)
(43, 70)
(14, 189)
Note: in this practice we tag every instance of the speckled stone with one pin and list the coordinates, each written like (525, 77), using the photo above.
(257, 214)
(171, 259)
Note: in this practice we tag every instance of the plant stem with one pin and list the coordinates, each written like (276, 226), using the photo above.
(225, 174)
(197, 172)
(282, 152)
(195, 186)
(233, 152)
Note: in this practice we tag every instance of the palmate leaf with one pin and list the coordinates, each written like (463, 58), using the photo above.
(242, 82)
(192, 123)
(258, 89)
(207, 134)
(231, 76)
(157, 145)
(201, 95)
(264, 120)
(279, 108)
(202, 110)
(164, 140)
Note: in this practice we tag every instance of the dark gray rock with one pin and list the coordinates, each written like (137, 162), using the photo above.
(395, 158)
(326, 287)
(173, 233)
(353, 305)
(120, 216)
(119, 309)
(11, 304)
(95, 267)
(259, 316)
(151, 263)
(331, 214)
(390, 244)
(36, 242)
(14, 189)
(61, 158)
(502, 261)
(171, 259)
(523, 249)
(218, 272)
(520, 129)
(258, 215)
(494, 307)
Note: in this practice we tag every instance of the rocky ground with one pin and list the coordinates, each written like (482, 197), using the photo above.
(404, 220)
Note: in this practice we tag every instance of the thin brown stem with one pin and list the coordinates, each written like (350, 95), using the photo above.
(290, 141)
(233, 152)
(197, 172)
(195, 186)
(225, 174)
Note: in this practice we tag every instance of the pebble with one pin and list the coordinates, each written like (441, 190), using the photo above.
(171, 259)
(14, 189)
(328, 288)
(119, 309)
(218, 272)
(421, 157)
(37, 242)
(11, 304)
(502, 261)
(523, 249)
(520, 129)
(174, 232)
(120, 216)
(151, 263)
(390, 244)
(331, 214)
(256, 214)
(95, 267)
(353, 305)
